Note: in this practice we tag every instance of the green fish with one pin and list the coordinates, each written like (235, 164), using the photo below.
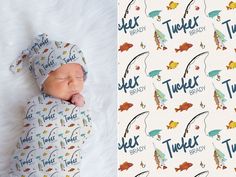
(220, 155)
(220, 95)
(160, 154)
(161, 95)
(221, 35)
(161, 35)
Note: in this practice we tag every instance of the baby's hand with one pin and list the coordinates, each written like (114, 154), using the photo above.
(78, 100)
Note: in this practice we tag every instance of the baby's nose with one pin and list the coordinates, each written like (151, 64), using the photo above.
(73, 82)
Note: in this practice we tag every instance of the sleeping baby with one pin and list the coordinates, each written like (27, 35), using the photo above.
(57, 122)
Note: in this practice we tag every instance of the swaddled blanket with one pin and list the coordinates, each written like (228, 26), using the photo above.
(50, 145)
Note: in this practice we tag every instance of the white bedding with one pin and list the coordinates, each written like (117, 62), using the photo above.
(92, 25)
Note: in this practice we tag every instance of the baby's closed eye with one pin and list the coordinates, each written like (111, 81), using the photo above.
(80, 77)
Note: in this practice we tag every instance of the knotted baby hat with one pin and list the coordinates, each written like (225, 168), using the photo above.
(45, 55)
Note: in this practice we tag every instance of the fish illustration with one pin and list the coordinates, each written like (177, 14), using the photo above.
(219, 158)
(26, 125)
(160, 39)
(125, 106)
(184, 47)
(49, 169)
(49, 125)
(219, 39)
(185, 106)
(184, 166)
(66, 45)
(159, 158)
(71, 125)
(219, 99)
(172, 124)
(49, 147)
(160, 99)
(232, 5)
(45, 50)
(125, 47)
(71, 147)
(125, 166)
(49, 102)
(172, 65)
(27, 147)
(27, 169)
(231, 65)
(231, 125)
(72, 169)
(172, 5)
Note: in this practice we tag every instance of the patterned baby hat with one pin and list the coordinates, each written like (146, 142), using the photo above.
(45, 55)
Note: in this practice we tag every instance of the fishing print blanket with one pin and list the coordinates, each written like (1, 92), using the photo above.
(176, 88)
(51, 142)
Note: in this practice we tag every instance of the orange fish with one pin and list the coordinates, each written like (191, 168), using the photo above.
(125, 166)
(185, 106)
(49, 102)
(27, 169)
(125, 47)
(67, 44)
(71, 125)
(45, 50)
(184, 166)
(27, 147)
(72, 147)
(72, 169)
(49, 125)
(26, 125)
(49, 147)
(125, 106)
(184, 47)
(50, 169)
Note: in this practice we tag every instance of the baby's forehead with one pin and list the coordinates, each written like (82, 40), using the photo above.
(69, 68)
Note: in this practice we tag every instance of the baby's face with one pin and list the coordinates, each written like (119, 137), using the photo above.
(65, 81)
